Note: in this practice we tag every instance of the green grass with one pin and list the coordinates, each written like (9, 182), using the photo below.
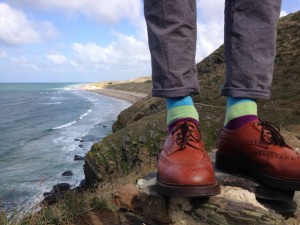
(66, 211)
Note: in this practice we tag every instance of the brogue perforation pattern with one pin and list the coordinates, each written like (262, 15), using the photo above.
(183, 163)
(274, 155)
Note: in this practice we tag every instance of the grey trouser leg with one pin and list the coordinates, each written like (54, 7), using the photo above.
(250, 43)
(250, 47)
(172, 41)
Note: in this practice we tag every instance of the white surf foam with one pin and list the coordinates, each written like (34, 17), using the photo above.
(85, 114)
(51, 103)
(73, 87)
(64, 125)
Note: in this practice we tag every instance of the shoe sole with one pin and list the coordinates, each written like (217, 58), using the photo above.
(240, 164)
(187, 190)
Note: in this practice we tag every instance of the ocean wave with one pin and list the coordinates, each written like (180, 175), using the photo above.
(85, 114)
(73, 87)
(51, 103)
(64, 125)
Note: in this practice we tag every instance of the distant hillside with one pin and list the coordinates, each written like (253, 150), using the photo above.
(140, 84)
(140, 130)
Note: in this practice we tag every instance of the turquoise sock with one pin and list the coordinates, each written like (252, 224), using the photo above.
(239, 107)
(181, 107)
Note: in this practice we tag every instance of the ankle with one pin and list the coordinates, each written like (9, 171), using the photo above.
(239, 122)
(181, 108)
(239, 111)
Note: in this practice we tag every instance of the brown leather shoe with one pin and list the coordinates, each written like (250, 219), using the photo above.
(259, 149)
(184, 168)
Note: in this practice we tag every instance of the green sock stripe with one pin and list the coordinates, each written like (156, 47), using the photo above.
(184, 111)
(240, 109)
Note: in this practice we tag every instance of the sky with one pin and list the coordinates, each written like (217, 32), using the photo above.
(90, 40)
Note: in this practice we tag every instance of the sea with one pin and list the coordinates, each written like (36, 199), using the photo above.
(42, 127)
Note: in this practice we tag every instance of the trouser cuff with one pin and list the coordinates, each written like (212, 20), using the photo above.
(174, 92)
(246, 93)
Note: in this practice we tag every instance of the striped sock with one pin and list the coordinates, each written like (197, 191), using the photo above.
(179, 108)
(239, 111)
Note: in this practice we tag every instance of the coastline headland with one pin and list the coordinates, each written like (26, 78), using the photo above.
(109, 89)
(128, 96)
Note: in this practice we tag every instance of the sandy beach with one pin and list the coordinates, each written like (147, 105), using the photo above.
(130, 97)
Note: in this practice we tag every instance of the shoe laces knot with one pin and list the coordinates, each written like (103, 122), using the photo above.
(184, 135)
(273, 132)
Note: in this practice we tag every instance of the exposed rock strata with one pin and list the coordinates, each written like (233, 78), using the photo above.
(234, 206)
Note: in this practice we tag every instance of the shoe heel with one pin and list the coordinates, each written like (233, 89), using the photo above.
(228, 164)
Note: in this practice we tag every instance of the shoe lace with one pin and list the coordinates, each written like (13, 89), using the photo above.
(184, 134)
(274, 131)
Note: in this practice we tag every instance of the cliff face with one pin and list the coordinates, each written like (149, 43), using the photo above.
(148, 106)
(140, 130)
(128, 149)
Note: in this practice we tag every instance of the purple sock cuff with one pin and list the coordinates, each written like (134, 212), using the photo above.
(171, 125)
(240, 121)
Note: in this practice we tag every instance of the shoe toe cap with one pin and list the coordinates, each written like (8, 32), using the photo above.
(188, 175)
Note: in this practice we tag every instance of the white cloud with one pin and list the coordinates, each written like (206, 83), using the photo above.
(57, 58)
(3, 54)
(125, 57)
(132, 52)
(105, 11)
(210, 37)
(22, 61)
(283, 13)
(210, 27)
(19, 60)
(126, 50)
(212, 10)
(92, 53)
(17, 29)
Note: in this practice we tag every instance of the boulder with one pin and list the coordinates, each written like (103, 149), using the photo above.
(50, 199)
(67, 173)
(61, 187)
(78, 157)
(47, 193)
(132, 199)
(56, 193)
(242, 201)
(234, 206)
(124, 196)
(82, 184)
